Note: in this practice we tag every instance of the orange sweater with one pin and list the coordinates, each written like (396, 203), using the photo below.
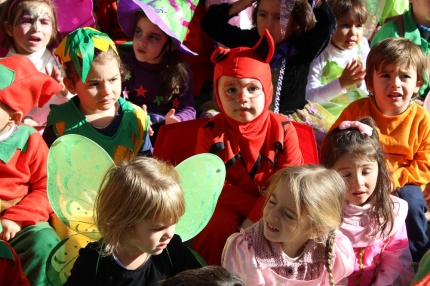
(406, 138)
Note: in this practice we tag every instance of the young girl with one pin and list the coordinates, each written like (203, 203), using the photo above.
(373, 220)
(159, 78)
(136, 212)
(94, 72)
(25, 208)
(252, 141)
(301, 29)
(30, 26)
(336, 77)
(297, 241)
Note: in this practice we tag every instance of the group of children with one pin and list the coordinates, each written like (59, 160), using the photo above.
(359, 219)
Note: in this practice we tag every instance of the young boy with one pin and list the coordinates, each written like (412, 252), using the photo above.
(395, 71)
(25, 207)
(94, 72)
(413, 25)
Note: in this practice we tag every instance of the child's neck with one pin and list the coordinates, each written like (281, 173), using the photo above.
(294, 250)
(100, 118)
(130, 259)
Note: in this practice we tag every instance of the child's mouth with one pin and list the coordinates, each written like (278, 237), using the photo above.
(394, 95)
(271, 228)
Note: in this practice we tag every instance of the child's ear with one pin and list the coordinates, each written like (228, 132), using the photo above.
(419, 84)
(9, 28)
(69, 85)
(16, 116)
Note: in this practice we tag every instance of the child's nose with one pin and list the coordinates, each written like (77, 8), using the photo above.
(270, 23)
(395, 82)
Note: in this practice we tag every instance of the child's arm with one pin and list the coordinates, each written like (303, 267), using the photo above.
(238, 256)
(34, 206)
(184, 105)
(344, 257)
(10, 267)
(314, 41)
(291, 156)
(215, 24)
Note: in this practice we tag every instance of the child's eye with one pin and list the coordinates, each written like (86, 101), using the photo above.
(271, 201)
(137, 32)
(384, 75)
(252, 89)
(94, 84)
(405, 76)
(288, 216)
(155, 38)
(345, 175)
(263, 15)
(231, 91)
(46, 22)
(113, 79)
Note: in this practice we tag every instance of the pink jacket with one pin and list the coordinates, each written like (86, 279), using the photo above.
(259, 261)
(378, 261)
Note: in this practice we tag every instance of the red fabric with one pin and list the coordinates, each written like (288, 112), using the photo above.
(10, 271)
(108, 21)
(198, 41)
(24, 176)
(32, 86)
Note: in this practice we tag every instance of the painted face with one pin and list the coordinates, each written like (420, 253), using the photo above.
(268, 17)
(349, 32)
(32, 28)
(242, 98)
(281, 221)
(360, 176)
(393, 87)
(4, 119)
(149, 42)
(149, 238)
(101, 89)
(421, 11)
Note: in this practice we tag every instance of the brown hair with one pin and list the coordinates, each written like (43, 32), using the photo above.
(318, 193)
(350, 142)
(397, 51)
(357, 8)
(142, 188)
(211, 275)
(303, 16)
(100, 57)
(174, 74)
(5, 16)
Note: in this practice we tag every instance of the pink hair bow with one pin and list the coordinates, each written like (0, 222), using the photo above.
(363, 128)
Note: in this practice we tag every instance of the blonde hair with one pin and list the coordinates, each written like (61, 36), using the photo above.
(10, 17)
(143, 188)
(318, 193)
(396, 51)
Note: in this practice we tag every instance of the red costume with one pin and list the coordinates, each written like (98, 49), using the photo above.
(251, 151)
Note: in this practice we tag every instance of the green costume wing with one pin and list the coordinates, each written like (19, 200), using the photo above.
(76, 168)
(202, 179)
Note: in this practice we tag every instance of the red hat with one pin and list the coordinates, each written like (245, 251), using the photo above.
(22, 86)
(244, 62)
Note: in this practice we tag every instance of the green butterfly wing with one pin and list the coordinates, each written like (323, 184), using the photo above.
(202, 179)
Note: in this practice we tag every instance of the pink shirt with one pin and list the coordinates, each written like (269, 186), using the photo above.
(383, 261)
(259, 261)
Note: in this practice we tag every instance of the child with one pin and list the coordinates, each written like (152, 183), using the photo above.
(373, 220)
(252, 141)
(136, 212)
(336, 77)
(300, 35)
(206, 276)
(413, 25)
(94, 72)
(10, 267)
(25, 208)
(297, 241)
(159, 78)
(30, 27)
(395, 70)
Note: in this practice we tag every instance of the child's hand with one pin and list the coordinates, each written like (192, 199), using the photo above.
(352, 74)
(171, 118)
(150, 130)
(30, 122)
(10, 229)
(56, 74)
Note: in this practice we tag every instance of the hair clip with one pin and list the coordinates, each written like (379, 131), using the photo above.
(363, 128)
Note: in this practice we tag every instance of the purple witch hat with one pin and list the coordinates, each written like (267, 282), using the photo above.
(171, 16)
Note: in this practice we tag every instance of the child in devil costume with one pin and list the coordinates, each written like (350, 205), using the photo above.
(252, 141)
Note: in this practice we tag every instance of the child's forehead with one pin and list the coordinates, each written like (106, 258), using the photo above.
(34, 6)
(402, 64)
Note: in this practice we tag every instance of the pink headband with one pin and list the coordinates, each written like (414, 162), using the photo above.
(363, 128)
(15, 1)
